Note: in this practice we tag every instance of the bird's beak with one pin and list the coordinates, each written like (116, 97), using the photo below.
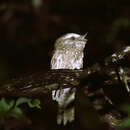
(83, 36)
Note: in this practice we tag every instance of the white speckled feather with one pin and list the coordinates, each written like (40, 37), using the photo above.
(68, 54)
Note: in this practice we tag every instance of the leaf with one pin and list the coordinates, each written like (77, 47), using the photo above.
(126, 108)
(34, 103)
(125, 123)
(16, 112)
(31, 103)
(5, 106)
(21, 101)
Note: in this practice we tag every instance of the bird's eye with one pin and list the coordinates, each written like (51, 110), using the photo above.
(72, 38)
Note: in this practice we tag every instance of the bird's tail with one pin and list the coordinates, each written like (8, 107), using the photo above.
(66, 111)
(65, 116)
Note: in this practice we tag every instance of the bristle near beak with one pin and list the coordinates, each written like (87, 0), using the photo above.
(84, 36)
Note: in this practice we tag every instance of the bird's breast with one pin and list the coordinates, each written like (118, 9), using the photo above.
(67, 60)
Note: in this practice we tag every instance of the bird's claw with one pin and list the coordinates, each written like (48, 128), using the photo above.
(57, 93)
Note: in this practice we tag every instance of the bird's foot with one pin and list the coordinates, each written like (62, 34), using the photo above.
(56, 94)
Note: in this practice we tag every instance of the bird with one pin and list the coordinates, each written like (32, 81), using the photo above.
(68, 54)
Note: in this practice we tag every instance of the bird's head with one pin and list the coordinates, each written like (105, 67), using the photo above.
(71, 40)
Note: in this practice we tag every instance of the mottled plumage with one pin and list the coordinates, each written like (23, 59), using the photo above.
(68, 54)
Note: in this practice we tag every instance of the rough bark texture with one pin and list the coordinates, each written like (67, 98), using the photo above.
(39, 83)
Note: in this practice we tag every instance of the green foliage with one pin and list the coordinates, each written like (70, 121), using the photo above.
(31, 103)
(34, 103)
(126, 122)
(11, 108)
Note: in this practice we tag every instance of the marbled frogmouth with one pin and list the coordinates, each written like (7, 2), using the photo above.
(68, 54)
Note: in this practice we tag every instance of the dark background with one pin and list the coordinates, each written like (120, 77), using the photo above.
(29, 28)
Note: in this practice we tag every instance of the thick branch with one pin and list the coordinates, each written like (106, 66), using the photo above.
(40, 83)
